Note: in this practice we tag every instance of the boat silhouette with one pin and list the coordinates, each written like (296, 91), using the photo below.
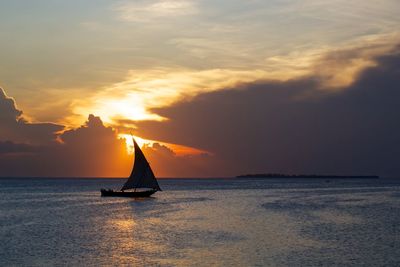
(142, 179)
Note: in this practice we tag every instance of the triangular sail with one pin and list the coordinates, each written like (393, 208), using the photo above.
(142, 176)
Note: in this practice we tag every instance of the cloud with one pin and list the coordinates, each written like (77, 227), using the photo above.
(42, 149)
(140, 92)
(271, 36)
(92, 150)
(8, 147)
(148, 11)
(261, 126)
(13, 126)
(292, 126)
(138, 96)
(167, 163)
(8, 110)
(339, 68)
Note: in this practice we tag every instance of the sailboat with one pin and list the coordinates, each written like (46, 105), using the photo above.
(142, 179)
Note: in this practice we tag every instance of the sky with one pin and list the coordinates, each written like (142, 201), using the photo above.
(208, 88)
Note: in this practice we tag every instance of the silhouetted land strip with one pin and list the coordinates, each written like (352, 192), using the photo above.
(280, 175)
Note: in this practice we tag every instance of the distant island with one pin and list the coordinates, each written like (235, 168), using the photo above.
(280, 175)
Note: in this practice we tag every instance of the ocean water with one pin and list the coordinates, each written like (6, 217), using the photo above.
(201, 222)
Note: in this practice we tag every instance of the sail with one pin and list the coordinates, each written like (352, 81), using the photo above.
(142, 176)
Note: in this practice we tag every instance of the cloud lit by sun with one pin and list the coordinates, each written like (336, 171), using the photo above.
(179, 150)
(134, 98)
(142, 91)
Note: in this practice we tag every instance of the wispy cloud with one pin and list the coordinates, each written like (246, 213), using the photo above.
(144, 11)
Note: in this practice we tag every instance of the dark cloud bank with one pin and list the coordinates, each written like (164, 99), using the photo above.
(290, 127)
(294, 126)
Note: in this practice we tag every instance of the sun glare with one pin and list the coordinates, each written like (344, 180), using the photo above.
(129, 141)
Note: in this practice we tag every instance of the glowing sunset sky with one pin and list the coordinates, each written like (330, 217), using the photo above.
(283, 82)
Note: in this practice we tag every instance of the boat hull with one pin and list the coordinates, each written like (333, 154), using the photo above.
(112, 193)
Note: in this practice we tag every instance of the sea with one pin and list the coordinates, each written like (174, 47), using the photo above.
(201, 222)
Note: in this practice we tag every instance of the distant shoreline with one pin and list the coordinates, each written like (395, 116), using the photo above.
(279, 175)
